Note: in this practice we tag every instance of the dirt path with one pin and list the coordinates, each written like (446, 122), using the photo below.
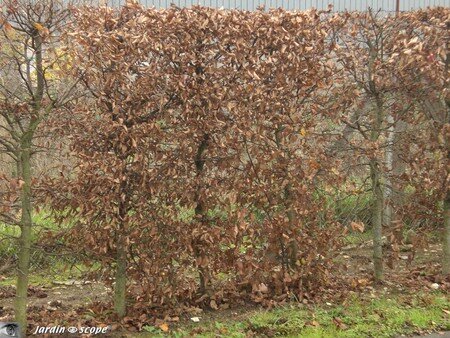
(61, 295)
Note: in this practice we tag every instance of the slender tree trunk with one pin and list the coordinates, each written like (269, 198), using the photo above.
(375, 170)
(378, 203)
(399, 167)
(446, 236)
(388, 184)
(200, 211)
(24, 166)
(120, 278)
(289, 251)
(293, 246)
(446, 232)
(377, 221)
(23, 266)
(120, 288)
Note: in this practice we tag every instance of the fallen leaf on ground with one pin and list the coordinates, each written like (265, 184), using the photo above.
(164, 327)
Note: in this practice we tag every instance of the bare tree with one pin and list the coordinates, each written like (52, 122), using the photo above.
(30, 91)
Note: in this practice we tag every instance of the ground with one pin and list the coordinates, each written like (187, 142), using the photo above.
(413, 300)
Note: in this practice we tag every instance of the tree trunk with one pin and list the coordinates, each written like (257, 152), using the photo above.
(293, 245)
(200, 212)
(121, 278)
(289, 251)
(375, 173)
(388, 184)
(23, 266)
(446, 232)
(446, 236)
(377, 221)
(378, 203)
(120, 287)
(24, 166)
(399, 167)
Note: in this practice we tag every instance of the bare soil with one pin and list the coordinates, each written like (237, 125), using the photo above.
(62, 295)
(405, 276)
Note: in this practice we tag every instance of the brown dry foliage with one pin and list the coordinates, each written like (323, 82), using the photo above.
(204, 144)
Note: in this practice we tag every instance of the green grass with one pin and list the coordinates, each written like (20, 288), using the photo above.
(383, 317)
(355, 238)
(43, 222)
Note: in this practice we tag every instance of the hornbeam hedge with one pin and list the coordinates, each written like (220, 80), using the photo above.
(209, 143)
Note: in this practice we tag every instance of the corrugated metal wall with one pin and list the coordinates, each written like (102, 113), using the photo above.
(339, 5)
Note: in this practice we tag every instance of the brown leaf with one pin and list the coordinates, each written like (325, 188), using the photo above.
(21, 183)
(339, 323)
(357, 226)
(213, 304)
(164, 327)
(38, 26)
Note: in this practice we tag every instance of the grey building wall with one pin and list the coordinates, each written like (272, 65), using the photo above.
(339, 5)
